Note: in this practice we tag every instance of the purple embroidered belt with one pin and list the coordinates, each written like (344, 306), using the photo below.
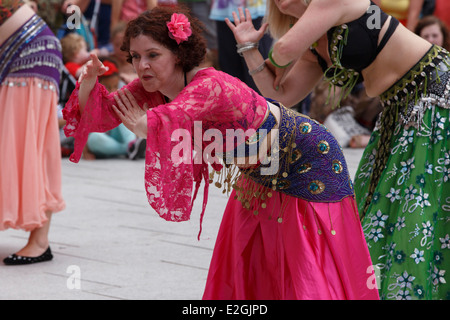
(309, 162)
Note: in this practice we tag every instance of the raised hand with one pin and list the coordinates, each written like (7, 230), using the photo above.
(243, 28)
(92, 69)
(88, 77)
(132, 115)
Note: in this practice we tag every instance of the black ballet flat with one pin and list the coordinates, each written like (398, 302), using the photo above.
(14, 259)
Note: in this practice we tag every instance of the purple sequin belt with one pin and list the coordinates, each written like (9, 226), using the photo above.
(33, 51)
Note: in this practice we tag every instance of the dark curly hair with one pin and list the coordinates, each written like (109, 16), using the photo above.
(152, 23)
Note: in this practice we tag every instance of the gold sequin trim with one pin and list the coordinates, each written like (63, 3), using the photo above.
(316, 187)
(337, 166)
(296, 154)
(304, 168)
(305, 127)
(323, 147)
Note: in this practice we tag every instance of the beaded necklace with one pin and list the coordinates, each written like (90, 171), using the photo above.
(336, 74)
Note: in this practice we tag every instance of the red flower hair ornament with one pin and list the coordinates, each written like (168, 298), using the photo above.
(179, 27)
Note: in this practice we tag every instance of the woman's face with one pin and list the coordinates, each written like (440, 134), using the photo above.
(155, 65)
(433, 34)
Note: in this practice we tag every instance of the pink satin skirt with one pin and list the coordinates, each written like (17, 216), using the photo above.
(316, 251)
(30, 154)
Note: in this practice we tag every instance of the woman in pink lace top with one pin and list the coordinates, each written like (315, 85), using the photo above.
(290, 229)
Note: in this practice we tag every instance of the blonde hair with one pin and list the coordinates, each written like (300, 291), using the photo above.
(279, 23)
(71, 45)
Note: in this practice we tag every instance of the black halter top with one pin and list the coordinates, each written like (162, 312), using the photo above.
(354, 45)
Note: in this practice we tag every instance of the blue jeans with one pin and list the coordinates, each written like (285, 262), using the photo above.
(112, 143)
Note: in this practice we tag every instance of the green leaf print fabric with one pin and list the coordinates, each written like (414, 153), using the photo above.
(407, 223)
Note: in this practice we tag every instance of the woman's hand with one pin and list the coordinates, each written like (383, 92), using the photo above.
(92, 69)
(278, 74)
(133, 116)
(88, 77)
(243, 28)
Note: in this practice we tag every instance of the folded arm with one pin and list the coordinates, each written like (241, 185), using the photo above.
(290, 87)
(318, 18)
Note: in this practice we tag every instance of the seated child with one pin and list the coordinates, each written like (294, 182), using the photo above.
(75, 54)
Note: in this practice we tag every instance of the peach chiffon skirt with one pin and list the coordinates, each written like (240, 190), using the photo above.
(30, 154)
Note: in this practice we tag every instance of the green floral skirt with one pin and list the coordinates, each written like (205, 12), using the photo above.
(404, 192)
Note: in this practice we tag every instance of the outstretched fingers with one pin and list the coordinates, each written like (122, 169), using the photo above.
(91, 69)
(243, 16)
(123, 111)
(125, 92)
(128, 106)
(119, 108)
(118, 112)
(239, 17)
(230, 24)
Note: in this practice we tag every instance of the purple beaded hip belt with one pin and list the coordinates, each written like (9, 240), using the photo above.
(311, 165)
(33, 51)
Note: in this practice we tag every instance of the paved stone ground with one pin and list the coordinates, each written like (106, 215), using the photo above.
(113, 240)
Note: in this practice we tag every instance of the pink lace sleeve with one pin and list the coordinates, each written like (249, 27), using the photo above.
(212, 100)
(98, 115)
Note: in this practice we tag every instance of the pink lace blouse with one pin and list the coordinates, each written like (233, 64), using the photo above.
(212, 100)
